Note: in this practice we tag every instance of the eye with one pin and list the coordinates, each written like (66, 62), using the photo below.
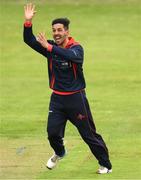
(59, 29)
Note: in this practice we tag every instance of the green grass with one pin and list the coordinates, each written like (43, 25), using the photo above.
(110, 32)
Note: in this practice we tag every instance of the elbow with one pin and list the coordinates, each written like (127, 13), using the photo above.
(77, 60)
(76, 57)
(25, 39)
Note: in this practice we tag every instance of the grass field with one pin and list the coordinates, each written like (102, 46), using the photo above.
(110, 32)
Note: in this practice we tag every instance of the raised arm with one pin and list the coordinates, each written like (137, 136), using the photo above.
(29, 38)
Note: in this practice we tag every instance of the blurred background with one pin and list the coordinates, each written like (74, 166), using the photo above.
(110, 32)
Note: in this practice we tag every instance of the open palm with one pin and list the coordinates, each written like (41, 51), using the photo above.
(29, 11)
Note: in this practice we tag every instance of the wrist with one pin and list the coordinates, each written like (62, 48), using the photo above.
(28, 20)
(27, 23)
(49, 47)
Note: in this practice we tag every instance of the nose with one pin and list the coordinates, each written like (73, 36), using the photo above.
(55, 32)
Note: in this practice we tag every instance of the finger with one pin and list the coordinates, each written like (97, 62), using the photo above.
(38, 39)
(41, 35)
(33, 7)
(38, 36)
(34, 12)
(30, 6)
(26, 7)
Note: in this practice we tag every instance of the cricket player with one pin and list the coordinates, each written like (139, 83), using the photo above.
(68, 101)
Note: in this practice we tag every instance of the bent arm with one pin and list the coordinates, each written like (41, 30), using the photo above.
(30, 40)
(74, 54)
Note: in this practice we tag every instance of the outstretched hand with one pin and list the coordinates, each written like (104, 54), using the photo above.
(42, 40)
(29, 11)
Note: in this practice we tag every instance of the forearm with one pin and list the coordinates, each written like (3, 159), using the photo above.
(28, 33)
(30, 39)
(75, 55)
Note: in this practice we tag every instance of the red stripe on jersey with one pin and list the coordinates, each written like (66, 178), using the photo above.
(52, 81)
(50, 64)
(65, 93)
(74, 69)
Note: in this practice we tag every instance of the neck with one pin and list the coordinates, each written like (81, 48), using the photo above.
(63, 45)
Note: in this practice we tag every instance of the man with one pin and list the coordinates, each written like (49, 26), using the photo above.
(68, 100)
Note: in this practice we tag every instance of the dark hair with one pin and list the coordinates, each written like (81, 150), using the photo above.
(64, 21)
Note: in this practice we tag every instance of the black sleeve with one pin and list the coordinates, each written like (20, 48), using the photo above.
(30, 39)
(74, 54)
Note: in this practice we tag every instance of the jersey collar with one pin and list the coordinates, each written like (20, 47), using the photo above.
(71, 42)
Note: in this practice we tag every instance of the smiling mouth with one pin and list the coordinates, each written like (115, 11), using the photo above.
(57, 38)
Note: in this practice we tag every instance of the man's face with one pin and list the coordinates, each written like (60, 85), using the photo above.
(60, 34)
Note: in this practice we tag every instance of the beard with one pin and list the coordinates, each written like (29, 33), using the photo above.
(59, 40)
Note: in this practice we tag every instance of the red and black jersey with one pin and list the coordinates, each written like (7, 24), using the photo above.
(64, 64)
